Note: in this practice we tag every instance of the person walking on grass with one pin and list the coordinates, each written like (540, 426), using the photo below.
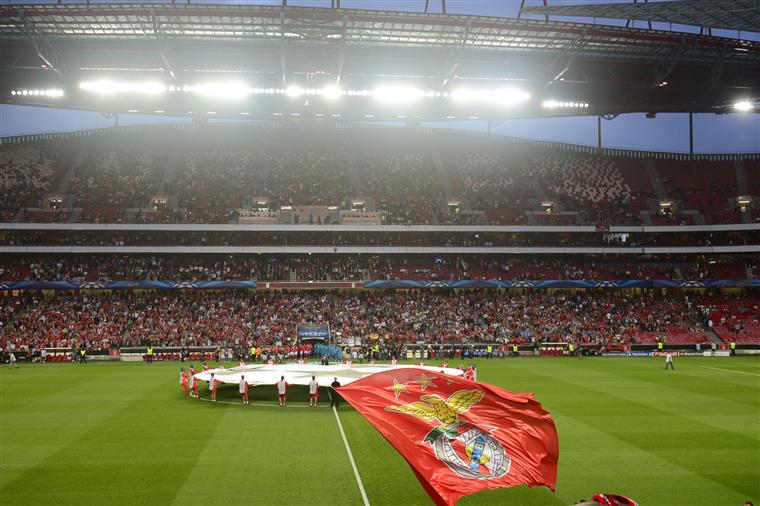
(669, 361)
(12, 360)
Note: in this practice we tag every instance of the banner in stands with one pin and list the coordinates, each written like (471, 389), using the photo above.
(312, 331)
(631, 283)
(394, 284)
(120, 285)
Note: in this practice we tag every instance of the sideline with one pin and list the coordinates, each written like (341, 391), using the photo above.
(729, 370)
(351, 458)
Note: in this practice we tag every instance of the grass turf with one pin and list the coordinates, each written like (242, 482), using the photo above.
(106, 433)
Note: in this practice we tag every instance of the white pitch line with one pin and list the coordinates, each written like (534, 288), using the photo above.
(351, 458)
(728, 370)
(263, 404)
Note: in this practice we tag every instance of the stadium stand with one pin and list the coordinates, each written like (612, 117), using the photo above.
(352, 268)
(111, 178)
(229, 318)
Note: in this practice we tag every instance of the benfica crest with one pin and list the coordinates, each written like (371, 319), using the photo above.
(466, 449)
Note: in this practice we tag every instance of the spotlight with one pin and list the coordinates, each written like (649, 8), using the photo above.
(105, 87)
(743, 106)
(331, 92)
(221, 90)
(504, 96)
(397, 94)
(294, 91)
(555, 104)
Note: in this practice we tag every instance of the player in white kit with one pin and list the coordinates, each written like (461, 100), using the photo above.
(282, 390)
(313, 392)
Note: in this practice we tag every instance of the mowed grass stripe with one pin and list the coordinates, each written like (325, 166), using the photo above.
(44, 408)
(665, 390)
(655, 453)
(716, 472)
(125, 459)
(688, 376)
(716, 455)
(272, 456)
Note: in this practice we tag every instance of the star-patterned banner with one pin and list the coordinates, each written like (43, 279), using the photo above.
(300, 374)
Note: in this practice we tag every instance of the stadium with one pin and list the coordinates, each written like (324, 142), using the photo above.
(341, 200)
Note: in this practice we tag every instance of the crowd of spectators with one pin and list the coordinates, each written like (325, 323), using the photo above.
(26, 174)
(375, 238)
(234, 319)
(111, 179)
(409, 182)
(491, 183)
(732, 317)
(406, 186)
(105, 268)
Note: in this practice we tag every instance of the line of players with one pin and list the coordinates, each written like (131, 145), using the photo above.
(190, 388)
(190, 385)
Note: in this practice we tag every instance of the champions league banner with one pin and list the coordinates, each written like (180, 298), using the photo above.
(121, 285)
(312, 331)
(382, 284)
(588, 284)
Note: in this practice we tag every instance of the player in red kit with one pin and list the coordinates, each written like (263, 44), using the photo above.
(205, 366)
(183, 381)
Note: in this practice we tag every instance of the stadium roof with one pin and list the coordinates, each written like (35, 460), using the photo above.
(741, 15)
(614, 69)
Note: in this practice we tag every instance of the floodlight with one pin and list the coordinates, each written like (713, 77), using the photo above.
(105, 87)
(294, 91)
(504, 96)
(554, 104)
(331, 92)
(221, 90)
(397, 94)
(743, 106)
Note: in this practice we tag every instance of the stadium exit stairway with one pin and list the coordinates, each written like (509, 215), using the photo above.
(63, 186)
(741, 187)
(655, 180)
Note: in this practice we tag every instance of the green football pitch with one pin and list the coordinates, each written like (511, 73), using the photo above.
(123, 434)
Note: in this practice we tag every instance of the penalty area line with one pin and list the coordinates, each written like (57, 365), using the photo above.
(729, 370)
(351, 459)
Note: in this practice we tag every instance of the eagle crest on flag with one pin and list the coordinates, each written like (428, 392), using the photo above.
(464, 448)
(458, 436)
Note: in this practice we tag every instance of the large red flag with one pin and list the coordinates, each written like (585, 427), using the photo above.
(459, 436)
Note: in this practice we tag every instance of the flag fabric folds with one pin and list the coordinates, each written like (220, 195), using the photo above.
(459, 436)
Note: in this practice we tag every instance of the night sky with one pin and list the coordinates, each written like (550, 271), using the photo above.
(667, 132)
